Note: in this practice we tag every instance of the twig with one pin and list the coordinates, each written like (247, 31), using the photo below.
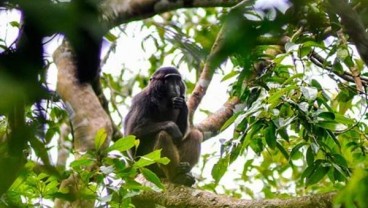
(321, 62)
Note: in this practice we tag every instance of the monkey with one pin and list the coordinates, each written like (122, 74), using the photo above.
(159, 119)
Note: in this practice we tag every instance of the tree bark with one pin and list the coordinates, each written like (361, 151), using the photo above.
(181, 196)
(117, 12)
(87, 117)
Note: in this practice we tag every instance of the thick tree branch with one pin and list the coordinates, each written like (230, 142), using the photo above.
(215, 58)
(117, 12)
(353, 25)
(63, 145)
(86, 114)
(180, 196)
(212, 124)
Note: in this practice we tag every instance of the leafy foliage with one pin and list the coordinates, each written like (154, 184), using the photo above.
(303, 128)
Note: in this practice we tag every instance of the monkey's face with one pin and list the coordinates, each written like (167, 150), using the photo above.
(173, 85)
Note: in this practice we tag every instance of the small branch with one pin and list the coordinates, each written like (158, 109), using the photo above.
(353, 69)
(180, 196)
(320, 62)
(108, 53)
(357, 79)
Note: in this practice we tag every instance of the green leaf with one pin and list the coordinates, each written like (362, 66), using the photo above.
(327, 115)
(282, 150)
(333, 137)
(84, 161)
(274, 98)
(229, 75)
(318, 173)
(111, 37)
(229, 121)
(338, 173)
(283, 133)
(280, 58)
(331, 125)
(316, 84)
(100, 138)
(14, 24)
(313, 44)
(163, 160)
(296, 149)
(308, 171)
(342, 53)
(148, 159)
(340, 160)
(123, 144)
(304, 51)
(292, 78)
(310, 156)
(220, 168)
(270, 134)
(337, 67)
(50, 133)
(152, 177)
(343, 120)
(151, 158)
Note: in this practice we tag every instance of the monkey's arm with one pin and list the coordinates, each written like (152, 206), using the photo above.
(182, 120)
(142, 126)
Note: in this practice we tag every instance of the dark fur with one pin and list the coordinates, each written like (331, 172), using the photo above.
(159, 118)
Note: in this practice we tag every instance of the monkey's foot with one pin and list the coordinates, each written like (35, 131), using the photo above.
(184, 167)
(185, 179)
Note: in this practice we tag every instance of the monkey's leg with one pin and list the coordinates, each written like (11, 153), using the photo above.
(190, 148)
(169, 150)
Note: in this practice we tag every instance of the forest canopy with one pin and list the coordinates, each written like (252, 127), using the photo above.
(292, 76)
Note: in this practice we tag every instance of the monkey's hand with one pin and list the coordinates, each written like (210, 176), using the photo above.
(184, 167)
(174, 132)
(178, 102)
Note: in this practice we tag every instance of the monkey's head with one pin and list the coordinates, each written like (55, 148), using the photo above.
(167, 81)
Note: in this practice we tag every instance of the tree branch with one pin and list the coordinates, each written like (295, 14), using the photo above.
(212, 124)
(85, 110)
(180, 196)
(353, 25)
(215, 58)
(320, 62)
(86, 114)
(117, 12)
